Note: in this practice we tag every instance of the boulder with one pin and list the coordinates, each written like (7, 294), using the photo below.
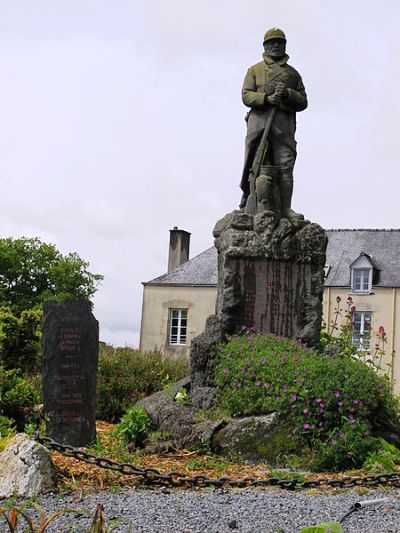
(184, 383)
(255, 439)
(201, 351)
(26, 468)
(178, 420)
(204, 397)
(332, 350)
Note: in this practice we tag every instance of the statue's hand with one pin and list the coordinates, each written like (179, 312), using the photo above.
(274, 99)
(279, 94)
(281, 90)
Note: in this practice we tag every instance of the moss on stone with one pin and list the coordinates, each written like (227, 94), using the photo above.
(254, 439)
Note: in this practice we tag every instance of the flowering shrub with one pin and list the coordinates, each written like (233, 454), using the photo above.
(340, 332)
(338, 403)
(125, 375)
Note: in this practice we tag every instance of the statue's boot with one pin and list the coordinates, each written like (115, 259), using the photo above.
(286, 190)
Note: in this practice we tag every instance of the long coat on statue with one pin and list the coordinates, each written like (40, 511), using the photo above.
(260, 81)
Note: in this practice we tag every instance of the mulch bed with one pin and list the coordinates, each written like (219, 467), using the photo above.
(80, 476)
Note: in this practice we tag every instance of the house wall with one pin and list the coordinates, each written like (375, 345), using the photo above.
(157, 300)
(384, 304)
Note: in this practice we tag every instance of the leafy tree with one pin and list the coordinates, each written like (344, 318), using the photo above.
(32, 272)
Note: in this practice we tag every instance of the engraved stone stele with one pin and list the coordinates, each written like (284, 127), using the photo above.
(70, 342)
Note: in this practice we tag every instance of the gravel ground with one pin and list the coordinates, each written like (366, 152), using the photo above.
(251, 510)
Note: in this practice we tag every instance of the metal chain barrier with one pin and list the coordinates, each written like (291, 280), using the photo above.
(152, 476)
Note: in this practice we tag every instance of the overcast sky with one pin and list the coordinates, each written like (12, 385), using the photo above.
(120, 119)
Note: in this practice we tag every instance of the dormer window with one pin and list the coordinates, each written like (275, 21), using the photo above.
(362, 279)
(361, 274)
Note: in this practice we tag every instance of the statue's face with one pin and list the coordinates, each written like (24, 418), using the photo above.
(275, 48)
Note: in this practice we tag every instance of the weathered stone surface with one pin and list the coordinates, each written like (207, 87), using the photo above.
(169, 415)
(255, 438)
(271, 277)
(26, 468)
(201, 351)
(204, 397)
(70, 355)
(184, 383)
(178, 420)
(332, 350)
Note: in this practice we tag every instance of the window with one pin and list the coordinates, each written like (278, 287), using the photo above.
(177, 326)
(362, 330)
(361, 274)
(362, 278)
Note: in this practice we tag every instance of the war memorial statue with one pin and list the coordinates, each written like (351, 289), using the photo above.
(270, 259)
(274, 91)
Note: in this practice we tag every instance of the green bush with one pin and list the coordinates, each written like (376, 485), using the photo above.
(20, 338)
(337, 402)
(6, 426)
(126, 375)
(134, 426)
(18, 397)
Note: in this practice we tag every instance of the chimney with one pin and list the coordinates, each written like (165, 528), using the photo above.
(179, 241)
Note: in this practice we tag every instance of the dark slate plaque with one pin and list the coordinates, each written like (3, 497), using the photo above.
(70, 344)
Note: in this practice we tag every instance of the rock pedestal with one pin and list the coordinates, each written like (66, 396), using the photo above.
(70, 356)
(271, 274)
(270, 278)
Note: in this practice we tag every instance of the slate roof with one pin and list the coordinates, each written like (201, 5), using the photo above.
(201, 270)
(381, 245)
(344, 247)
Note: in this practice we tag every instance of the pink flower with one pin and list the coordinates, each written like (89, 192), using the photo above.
(341, 435)
(306, 426)
(337, 394)
(333, 441)
(294, 397)
(340, 404)
(305, 410)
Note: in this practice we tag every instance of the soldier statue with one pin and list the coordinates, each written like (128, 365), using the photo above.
(274, 89)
